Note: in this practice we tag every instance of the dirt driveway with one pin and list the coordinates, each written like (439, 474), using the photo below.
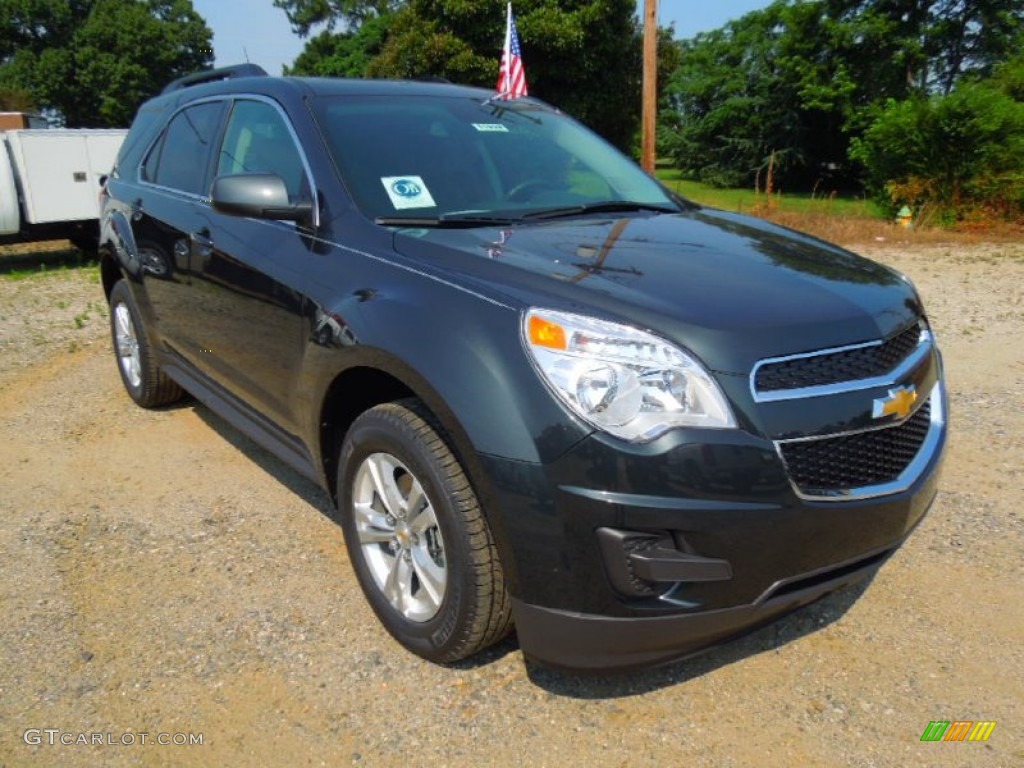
(160, 575)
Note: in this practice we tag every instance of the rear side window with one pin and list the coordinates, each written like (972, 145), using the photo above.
(257, 140)
(179, 159)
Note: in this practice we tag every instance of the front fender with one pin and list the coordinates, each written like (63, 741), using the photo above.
(457, 351)
(463, 357)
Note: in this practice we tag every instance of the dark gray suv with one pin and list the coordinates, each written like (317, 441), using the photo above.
(542, 389)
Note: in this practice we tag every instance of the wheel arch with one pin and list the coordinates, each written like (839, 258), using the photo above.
(361, 387)
(118, 252)
(110, 272)
(352, 392)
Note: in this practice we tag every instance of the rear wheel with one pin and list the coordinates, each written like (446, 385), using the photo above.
(420, 546)
(147, 385)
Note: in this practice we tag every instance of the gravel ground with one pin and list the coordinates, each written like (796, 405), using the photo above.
(161, 575)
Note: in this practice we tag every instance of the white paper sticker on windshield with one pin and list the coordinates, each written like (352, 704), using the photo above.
(490, 127)
(407, 192)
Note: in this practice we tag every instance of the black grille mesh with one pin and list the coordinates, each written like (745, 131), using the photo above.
(853, 461)
(851, 365)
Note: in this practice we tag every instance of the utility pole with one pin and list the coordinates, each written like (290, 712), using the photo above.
(650, 89)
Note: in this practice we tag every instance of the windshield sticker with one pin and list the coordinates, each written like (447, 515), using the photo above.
(407, 192)
(490, 127)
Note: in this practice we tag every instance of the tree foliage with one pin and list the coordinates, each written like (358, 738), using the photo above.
(951, 155)
(306, 15)
(16, 100)
(344, 54)
(95, 61)
(581, 55)
(794, 83)
(733, 104)
(931, 44)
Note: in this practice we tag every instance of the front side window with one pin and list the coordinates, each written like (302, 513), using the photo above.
(257, 140)
(432, 156)
(179, 159)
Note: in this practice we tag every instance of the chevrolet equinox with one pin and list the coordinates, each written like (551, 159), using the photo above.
(542, 389)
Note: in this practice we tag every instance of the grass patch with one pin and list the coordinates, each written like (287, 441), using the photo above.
(836, 219)
(82, 318)
(748, 201)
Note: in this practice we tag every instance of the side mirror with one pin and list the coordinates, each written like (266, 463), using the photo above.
(259, 195)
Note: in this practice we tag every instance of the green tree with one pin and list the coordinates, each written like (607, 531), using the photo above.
(95, 61)
(737, 102)
(931, 44)
(16, 100)
(581, 55)
(1009, 78)
(344, 54)
(948, 156)
(306, 15)
(794, 83)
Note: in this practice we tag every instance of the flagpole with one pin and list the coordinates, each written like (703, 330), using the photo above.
(650, 85)
(511, 73)
(506, 55)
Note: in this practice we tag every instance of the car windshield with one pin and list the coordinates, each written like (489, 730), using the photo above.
(462, 160)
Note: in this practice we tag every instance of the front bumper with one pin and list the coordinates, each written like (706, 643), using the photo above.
(578, 641)
(747, 548)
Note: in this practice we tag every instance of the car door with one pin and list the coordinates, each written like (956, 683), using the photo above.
(167, 210)
(246, 271)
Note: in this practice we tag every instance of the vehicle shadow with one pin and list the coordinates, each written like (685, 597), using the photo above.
(291, 479)
(29, 258)
(598, 685)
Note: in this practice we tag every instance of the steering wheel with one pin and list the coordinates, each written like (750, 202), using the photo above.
(525, 190)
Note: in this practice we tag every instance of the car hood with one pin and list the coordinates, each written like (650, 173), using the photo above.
(730, 288)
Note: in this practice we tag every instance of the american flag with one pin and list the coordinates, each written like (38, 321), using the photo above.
(512, 77)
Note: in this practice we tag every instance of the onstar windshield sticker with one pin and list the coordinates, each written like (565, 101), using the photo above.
(407, 192)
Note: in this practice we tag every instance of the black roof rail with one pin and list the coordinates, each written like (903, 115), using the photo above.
(212, 75)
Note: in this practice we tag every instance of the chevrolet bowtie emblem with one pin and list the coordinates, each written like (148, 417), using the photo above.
(898, 403)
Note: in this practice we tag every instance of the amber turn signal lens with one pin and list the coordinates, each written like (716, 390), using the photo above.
(544, 333)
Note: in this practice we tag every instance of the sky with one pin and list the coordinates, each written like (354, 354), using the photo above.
(259, 31)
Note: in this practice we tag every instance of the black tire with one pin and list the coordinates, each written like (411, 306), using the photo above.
(88, 246)
(444, 532)
(86, 238)
(145, 383)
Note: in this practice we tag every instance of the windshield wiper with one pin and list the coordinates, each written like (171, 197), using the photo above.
(445, 221)
(469, 219)
(608, 206)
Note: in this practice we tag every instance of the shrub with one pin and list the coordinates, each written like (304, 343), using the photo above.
(948, 157)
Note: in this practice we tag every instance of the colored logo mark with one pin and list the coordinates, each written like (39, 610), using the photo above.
(898, 403)
(406, 188)
(958, 730)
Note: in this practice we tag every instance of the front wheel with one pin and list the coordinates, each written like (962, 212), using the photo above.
(420, 545)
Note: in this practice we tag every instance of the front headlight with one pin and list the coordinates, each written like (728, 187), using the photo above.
(624, 381)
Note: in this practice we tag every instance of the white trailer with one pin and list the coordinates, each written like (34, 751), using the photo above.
(50, 182)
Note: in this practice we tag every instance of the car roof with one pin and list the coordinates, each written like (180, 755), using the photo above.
(287, 86)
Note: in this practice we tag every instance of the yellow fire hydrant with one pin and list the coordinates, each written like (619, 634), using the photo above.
(905, 218)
